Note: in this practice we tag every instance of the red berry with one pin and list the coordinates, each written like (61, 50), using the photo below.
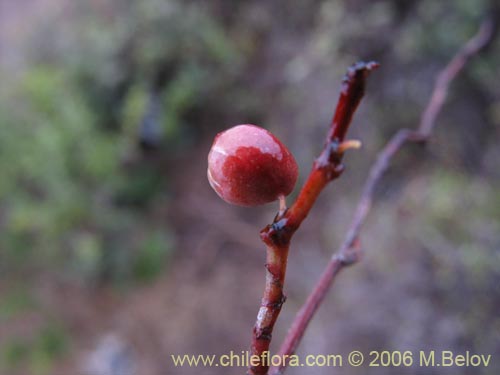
(249, 166)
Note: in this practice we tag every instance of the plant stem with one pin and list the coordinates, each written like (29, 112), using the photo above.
(271, 306)
(349, 250)
(277, 236)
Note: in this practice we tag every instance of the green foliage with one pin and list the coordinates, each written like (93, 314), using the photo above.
(15, 353)
(139, 186)
(429, 33)
(458, 227)
(56, 162)
(151, 257)
(69, 121)
(51, 343)
(35, 354)
(17, 301)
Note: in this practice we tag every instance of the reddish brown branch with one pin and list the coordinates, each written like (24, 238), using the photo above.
(353, 89)
(277, 235)
(328, 165)
(349, 250)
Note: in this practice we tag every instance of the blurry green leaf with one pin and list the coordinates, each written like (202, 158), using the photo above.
(151, 257)
(133, 109)
(139, 187)
(15, 302)
(15, 353)
(50, 344)
(87, 252)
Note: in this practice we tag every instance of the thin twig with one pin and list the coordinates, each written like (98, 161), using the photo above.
(349, 250)
(277, 236)
(471, 48)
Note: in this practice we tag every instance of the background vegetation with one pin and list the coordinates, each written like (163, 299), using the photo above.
(112, 245)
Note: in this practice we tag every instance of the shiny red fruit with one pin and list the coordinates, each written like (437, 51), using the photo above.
(249, 166)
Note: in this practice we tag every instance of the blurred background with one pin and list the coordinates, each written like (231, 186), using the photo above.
(114, 251)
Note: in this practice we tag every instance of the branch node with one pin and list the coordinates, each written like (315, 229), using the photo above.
(350, 257)
(330, 159)
(277, 304)
(263, 334)
(278, 233)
